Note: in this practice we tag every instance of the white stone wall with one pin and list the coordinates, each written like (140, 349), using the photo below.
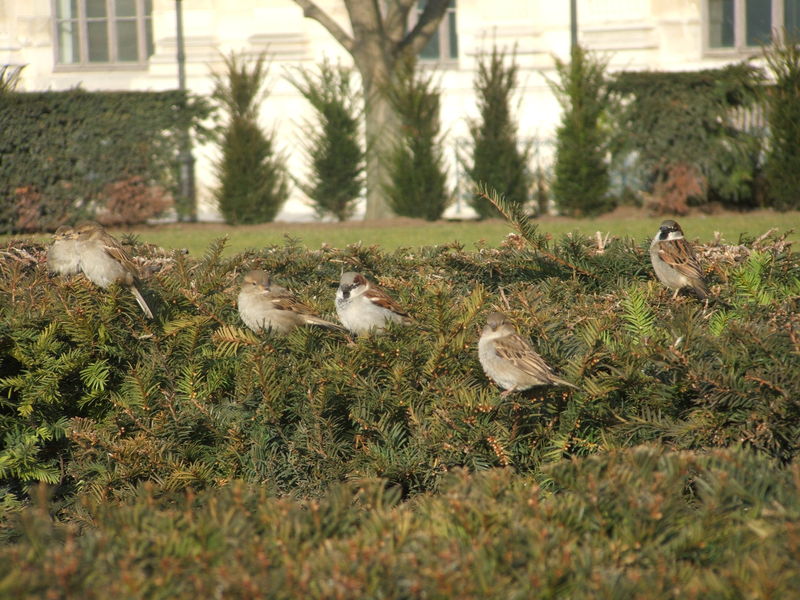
(634, 34)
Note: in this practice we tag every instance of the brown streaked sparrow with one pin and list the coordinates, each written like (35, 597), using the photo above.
(104, 261)
(264, 305)
(62, 255)
(674, 261)
(362, 306)
(508, 359)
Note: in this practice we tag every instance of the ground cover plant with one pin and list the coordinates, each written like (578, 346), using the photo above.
(188, 454)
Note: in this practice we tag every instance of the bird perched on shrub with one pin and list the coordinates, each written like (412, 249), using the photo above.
(265, 305)
(674, 261)
(104, 261)
(363, 306)
(62, 255)
(508, 359)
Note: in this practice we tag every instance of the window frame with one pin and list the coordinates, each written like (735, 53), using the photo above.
(81, 22)
(444, 59)
(740, 46)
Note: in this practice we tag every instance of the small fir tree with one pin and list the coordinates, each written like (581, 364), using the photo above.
(783, 114)
(332, 143)
(417, 174)
(497, 160)
(581, 173)
(253, 181)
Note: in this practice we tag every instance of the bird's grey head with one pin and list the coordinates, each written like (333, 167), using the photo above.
(496, 320)
(350, 281)
(64, 232)
(669, 230)
(88, 229)
(256, 279)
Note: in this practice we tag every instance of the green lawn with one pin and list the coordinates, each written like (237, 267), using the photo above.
(395, 233)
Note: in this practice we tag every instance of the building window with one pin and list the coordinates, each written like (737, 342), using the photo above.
(103, 32)
(443, 44)
(791, 18)
(747, 24)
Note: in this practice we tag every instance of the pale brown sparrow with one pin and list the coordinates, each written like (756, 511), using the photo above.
(62, 255)
(264, 305)
(674, 261)
(363, 306)
(509, 360)
(104, 261)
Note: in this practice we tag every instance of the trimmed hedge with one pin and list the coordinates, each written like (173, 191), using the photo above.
(632, 523)
(96, 400)
(188, 456)
(61, 153)
(682, 132)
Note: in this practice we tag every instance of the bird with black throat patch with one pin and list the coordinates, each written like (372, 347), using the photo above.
(675, 262)
(364, 307)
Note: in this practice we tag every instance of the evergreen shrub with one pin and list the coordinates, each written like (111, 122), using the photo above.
(498, 159)
(782, 101)
(253, 180)
(96, 400)
(640, 522)
(188, 454)
(682, 131)
(56, 159)
(417, 174)
(332, 143)
(581, 179)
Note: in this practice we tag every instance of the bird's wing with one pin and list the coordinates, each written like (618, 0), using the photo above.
(519, 353)
(288, 303)
(284, 301)
(380, 298)
(679, 255)
(115, 250)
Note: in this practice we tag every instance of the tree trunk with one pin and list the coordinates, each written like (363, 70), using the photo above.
(380, 124)
(378, 39)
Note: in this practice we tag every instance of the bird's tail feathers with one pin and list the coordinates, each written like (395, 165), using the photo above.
(140, 300)
(558, 381)
(700, 289)
(312, 320)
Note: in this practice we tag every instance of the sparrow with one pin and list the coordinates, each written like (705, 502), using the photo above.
(363, 306)
(62, 255)
(674, 261)
(508, 359)
(104, 261)
(265, 305)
